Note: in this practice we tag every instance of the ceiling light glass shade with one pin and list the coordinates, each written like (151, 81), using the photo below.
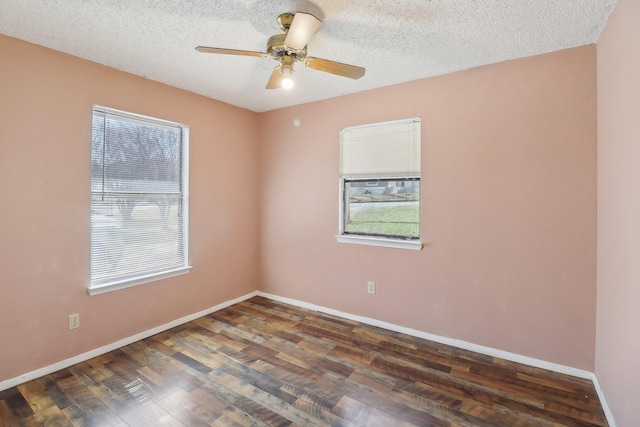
(287, 81)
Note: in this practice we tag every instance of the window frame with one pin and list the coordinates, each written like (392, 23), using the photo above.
(370, 239)
(185, 268)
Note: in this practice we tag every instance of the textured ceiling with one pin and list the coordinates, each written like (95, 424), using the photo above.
(395, 40)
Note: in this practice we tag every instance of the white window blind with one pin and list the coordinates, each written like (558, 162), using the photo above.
(139, 198)
(390, 149)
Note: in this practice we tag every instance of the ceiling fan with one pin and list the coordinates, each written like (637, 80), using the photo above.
(291, 47)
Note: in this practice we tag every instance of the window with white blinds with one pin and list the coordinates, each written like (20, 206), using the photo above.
(139, 199)
(380, 183)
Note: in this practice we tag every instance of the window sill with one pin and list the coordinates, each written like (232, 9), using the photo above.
(123, 284)
(414, 245)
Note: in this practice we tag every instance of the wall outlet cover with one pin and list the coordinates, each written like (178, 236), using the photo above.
(74, 321)
(371, 288)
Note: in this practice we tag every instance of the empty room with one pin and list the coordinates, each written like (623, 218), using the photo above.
(305, 213)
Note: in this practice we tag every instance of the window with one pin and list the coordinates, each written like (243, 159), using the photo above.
(380, 184)
(139, 200)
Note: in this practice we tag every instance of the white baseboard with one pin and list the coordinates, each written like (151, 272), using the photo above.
(603, 402)
(12, 382)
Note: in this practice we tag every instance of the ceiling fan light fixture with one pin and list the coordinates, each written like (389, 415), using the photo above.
(287, 80)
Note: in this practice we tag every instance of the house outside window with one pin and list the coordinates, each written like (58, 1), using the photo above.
(139, 199)
(380, 184)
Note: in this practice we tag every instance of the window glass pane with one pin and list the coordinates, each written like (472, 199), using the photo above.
(383, 207)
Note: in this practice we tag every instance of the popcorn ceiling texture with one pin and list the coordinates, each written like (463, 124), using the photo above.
(395, 40)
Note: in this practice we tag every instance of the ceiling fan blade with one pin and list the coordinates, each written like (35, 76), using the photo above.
(345, 70)
(206, 49)
(303, 27)
(275, 81)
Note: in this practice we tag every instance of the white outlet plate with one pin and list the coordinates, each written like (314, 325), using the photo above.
(74, 321)
(371, 288)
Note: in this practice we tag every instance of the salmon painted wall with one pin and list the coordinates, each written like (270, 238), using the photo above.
(618, 310)
(508, 215)
(46, 100)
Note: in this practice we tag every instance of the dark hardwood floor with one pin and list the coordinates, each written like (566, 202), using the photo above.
(264, 363)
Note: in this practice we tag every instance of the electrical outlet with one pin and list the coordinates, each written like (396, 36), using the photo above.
(371, 288)
(74, 321)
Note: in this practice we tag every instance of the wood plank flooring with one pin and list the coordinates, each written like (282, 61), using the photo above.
(264, 363)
